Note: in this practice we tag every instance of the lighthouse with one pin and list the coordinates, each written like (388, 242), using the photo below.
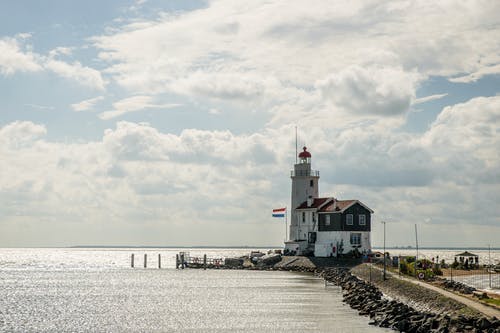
(305, 187)
(324, 226)
(305, 183)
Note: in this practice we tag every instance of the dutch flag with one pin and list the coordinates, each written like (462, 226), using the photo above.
(279, 212)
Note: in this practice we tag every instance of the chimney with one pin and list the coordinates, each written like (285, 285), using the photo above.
(309, 201)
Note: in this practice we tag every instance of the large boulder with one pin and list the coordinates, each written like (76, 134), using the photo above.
(270, 259)
(233, 262)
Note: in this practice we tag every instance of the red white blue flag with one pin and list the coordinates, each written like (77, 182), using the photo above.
(279, 212)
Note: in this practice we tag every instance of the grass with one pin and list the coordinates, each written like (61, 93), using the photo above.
(493, 301)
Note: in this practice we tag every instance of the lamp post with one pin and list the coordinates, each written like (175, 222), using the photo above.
(384, 253)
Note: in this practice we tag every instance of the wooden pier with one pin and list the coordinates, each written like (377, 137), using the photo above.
(184, 260)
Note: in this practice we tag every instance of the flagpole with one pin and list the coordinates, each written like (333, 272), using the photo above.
(286, 224)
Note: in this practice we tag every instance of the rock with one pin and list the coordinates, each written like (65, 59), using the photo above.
(483, 323)
(233, 262)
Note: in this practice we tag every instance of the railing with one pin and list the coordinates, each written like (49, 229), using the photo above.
(304, 173)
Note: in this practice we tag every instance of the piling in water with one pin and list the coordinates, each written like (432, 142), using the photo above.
(145, 260)
(132, 260)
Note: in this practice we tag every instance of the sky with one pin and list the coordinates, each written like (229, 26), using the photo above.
(173, 122)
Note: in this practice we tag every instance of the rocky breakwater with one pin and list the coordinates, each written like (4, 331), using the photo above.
(369, 301)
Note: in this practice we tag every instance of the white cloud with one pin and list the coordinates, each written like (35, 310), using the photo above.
(87, 104)
(248, 54)
(428, 98)
(137, 173)
(375, 91)
(481, 72)
(60, 51)
(132, 104)
(40, 107)
(464, 140)
(21, 133)
(76, 71)
(13, 58)
(345, 72)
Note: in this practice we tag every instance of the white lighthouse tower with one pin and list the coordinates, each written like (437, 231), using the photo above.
(305, 187)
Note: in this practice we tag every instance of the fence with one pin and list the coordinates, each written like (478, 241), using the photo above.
(482, 277)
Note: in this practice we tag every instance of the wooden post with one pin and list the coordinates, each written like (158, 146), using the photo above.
(159, 261)
(205, 261)
(132, 260)
(182, 261)
(145, 260)
(177, 261)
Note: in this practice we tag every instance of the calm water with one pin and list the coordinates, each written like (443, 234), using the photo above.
(75, 290)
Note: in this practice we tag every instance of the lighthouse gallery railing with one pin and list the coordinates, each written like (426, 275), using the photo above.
(304, 173)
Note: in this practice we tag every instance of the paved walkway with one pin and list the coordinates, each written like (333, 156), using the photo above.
(484, 309)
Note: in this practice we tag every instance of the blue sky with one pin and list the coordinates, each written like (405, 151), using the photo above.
(172, 123)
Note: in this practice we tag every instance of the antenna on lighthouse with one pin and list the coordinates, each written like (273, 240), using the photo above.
(296, 149)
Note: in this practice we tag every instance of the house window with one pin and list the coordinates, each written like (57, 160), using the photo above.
(314, 217)
(327, 219)
(349, 219)
(362, 219)
(303, 217)
(355, 238)
(311, 183)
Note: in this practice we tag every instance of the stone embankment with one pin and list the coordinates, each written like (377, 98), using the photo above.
(459, 287)
(369, 301)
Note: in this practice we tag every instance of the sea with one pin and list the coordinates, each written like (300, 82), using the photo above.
(97, 290)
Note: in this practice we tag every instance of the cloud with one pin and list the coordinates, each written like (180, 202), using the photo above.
(248, 55)
(345, 72)
(428, 98)
(377, 91)
(136, 172)
(21, 133)
(133, 104)
(87, 104)
(464, 141)
(76, 71)
(473, 77)
(40, 107)
(60, 51)
(14, 59)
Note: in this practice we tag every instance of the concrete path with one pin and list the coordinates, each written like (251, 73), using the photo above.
(484, 309)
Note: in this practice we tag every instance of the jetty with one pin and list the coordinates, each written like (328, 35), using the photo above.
(184, 260)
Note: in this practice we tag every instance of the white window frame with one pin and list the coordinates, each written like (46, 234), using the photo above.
(313, 217)
(358, 234)
(327, 220)
(362, 219)
(349, 219)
